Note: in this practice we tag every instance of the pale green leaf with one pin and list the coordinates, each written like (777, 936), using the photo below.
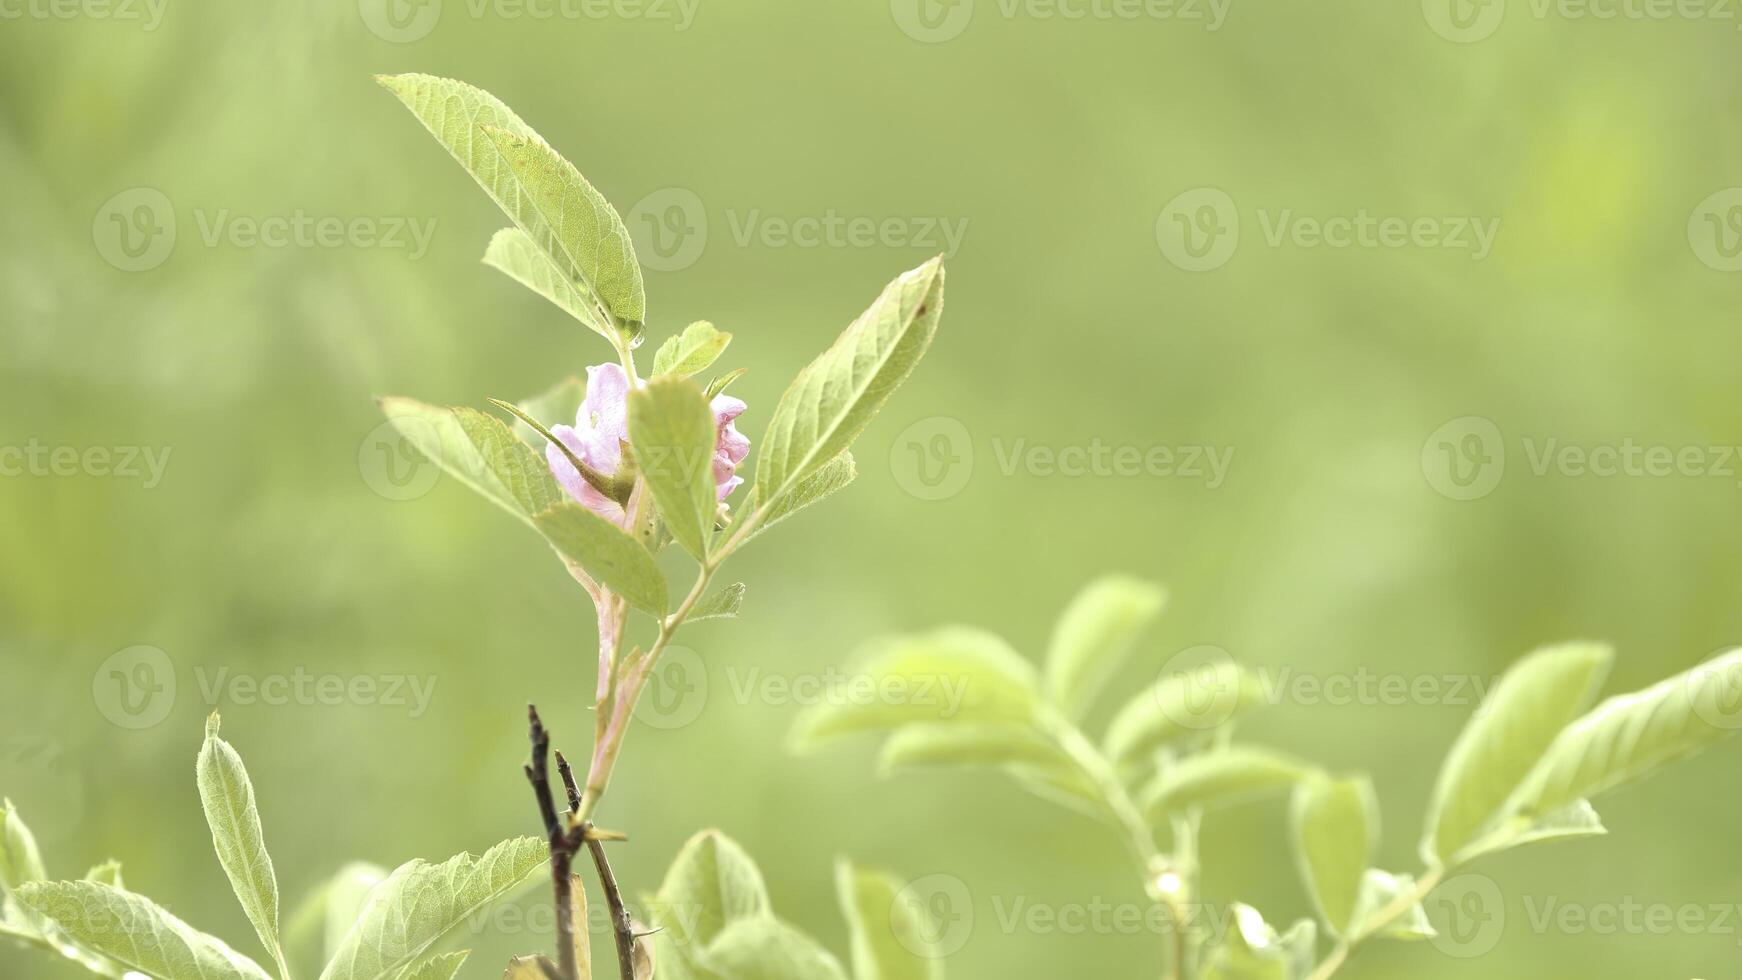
(711, 884)
(607, 553)
(829, 479)
(957, 674)
(1094, 635)
(442, 966)
(479, 451)
(1628, 737)
(691, 351)
(890, 941)
(1252, 950)
(673, 432)
(719, 385)
(227, 796)
(514, 253)
(835, 396)
(546, 198)
(573, 223)
(1336, 830)
(556, 405)
(20, 860)
(723, 604)
(930, 746)
(130, 929)
(1515, 724)
(107, 873)
(768, 949)
(420, 902)
(1380, 890)
(1575, 820)
(1219, 778)
(1179, 705)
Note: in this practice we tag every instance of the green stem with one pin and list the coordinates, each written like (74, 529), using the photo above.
(1381, 918)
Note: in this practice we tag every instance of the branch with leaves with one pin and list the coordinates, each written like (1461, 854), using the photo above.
(1524, 769)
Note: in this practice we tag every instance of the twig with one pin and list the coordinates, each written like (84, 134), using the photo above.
(562, 846)
(622, 926)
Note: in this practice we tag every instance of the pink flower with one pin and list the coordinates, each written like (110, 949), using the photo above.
(602, 426)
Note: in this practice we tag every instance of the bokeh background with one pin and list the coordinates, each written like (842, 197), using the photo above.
(1384, 514)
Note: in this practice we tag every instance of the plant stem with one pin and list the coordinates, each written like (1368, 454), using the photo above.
(562, 847)
(1381, 918)
(622, 926)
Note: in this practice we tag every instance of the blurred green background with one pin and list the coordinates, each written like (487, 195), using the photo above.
(271, 544)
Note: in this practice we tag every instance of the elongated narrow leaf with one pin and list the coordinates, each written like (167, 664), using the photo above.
(20, 860)
(769, 949)
(575, 224)
(834, 397)
(1218, 778)
(514, 253)
(1379, 891)
(583, 934)
(719, 385)
(607, 553)
(828, 480)
(673, 433)
(957, 675)
(692, 351)
(541, 193)
(1533, 701)
(132, 930)
(442, 966)
(723, 604)
(556, 405)
(711, 884)
(227, 796)
(420, 902)
(479, 451)
(889, 939)
(1181, 705)
(1630, 736)
(947, 745)
(1096, 632)
(1336, 830)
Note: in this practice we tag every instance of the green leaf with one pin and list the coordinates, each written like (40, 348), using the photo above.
(20, 860)
(835, 396)
(691, 351)
(1096, 632)
(930, 746)
(1379, 890)
(107, 873)
(1252, 950)
(829, 479)
(479, 451)
(723, 604)
(1336, 830)
(719, 385)
(889, 939)
(607, 553)
(1515, 724)
(1630, 736)
(1218, 778)
(442, 966)
(333, 906)
(711, 884)
(957, 674)
(420, 902)
(514, 253)
(573, 223)
(1575, 820)
(134, 931)
(1180, 705)
(227, 796)
(673, 432)
(768, 949)
(544, 195)
(557, 405)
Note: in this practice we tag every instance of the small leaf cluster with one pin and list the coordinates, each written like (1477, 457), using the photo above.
(1524, 769)
(377, 925)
